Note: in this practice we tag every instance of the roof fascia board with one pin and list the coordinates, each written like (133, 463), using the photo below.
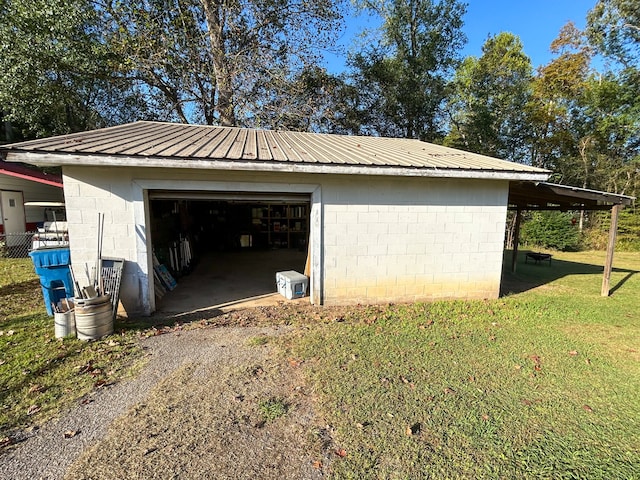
(49, 159)
(575, 192)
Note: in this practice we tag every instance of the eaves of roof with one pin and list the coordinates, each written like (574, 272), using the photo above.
(155, 144)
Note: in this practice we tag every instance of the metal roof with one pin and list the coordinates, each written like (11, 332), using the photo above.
(551, 196)
(196, 146)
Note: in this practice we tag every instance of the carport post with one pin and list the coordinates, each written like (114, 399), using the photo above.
(613, 230)
(516, 240)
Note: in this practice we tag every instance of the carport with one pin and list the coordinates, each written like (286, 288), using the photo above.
(549, 196)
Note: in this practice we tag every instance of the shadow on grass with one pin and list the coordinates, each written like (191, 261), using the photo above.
(530, 275)
(26, 287)
(43, 361)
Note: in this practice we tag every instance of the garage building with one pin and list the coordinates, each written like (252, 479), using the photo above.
(370, 219)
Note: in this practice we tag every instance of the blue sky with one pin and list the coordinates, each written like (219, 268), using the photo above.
(536, 22)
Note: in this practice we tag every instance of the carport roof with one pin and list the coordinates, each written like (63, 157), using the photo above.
(169, 145)
(550, 196)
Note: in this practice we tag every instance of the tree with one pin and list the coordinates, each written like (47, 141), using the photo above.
(56, 73)
(230, 62)
(486, 108)
(586, 124)
(551, 230)
(613, 26)
(555, 108)
(401, 82)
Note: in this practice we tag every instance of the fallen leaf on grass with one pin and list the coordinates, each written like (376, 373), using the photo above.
(587, 408)
(293, 362)
(71, 433)
(450, 391)
(517, 367)
(33, 409)
(341, 452)
(317, 464)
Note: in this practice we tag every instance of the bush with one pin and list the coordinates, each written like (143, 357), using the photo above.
(552, 229)
(628, 238)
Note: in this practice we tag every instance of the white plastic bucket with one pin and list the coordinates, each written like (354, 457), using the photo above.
(64, 324)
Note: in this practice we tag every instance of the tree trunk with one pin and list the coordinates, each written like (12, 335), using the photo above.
(214, 12)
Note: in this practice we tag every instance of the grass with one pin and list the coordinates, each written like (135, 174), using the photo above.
(39, 374)
(538, 384)
(541, 383)
(272, 409)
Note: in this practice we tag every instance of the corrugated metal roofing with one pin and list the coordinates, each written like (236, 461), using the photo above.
(210, 143)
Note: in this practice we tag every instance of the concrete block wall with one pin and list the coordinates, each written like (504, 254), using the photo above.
(390, 239)
(88, 192)
(383, 238)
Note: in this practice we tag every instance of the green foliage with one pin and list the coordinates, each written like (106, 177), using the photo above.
(401, 81)
(57, 73)
(613, 27)
(552, 229)
(272, 409)
(486, 107)
(628, 237)
(229, 63)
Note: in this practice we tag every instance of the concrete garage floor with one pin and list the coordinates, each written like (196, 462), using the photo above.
(225, 281)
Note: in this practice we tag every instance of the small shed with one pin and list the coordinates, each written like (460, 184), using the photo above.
(374, 219)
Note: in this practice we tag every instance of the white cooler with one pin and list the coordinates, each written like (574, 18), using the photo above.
(292, 284)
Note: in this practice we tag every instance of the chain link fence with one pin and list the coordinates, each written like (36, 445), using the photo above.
(15, 245)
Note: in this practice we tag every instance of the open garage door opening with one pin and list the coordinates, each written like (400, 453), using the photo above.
(223, 249)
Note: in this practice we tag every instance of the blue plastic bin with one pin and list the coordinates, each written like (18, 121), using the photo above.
(52, 266)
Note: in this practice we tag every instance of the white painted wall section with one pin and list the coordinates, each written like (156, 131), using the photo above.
(389, 239)
(376, 239)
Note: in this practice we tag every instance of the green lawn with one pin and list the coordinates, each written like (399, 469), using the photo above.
(544, 383)
(541, 383)
(39, 374)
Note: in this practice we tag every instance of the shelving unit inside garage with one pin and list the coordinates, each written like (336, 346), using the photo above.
(281, 225)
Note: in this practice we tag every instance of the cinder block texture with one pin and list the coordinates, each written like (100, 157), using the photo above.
(381, 238)
(413, 239)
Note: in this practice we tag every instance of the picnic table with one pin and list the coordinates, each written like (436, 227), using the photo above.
(538, 257)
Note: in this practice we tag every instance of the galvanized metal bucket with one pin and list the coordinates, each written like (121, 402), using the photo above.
(94, 318)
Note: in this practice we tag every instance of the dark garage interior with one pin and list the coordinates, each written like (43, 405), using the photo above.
(224, 249)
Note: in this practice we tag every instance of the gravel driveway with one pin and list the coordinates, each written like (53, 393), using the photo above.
(193, 412)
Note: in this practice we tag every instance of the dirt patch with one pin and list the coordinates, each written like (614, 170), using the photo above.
(205, 420)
